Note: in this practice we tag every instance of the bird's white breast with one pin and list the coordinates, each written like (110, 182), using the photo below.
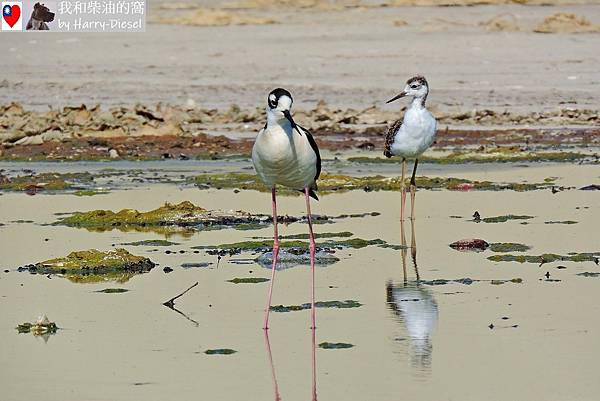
(416, 133)
(284, 157)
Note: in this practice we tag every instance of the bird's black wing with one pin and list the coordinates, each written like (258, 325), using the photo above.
(389, 137)
(315, 148)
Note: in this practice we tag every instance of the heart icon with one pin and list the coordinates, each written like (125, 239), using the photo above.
(11, 14)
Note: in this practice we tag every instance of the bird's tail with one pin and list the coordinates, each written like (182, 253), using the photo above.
(311, 193)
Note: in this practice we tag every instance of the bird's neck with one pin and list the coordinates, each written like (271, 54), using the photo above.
(273, 121)
(418, 102)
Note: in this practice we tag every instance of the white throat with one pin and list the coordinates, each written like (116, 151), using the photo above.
(417, 102)
(276, 119)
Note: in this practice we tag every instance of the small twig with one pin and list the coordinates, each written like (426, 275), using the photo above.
(171, 302)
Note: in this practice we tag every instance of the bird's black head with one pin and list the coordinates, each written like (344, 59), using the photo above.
(278, 95)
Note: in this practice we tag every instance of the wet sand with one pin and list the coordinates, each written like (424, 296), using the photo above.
(128, 346)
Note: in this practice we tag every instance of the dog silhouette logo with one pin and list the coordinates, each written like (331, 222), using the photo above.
(40, 16)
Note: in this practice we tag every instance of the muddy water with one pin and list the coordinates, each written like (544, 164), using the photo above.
(411, 340)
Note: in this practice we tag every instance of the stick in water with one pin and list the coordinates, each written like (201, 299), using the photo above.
(171, 302)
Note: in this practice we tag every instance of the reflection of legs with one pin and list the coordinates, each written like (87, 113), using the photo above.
(403, 250)
(402, 190)
(275, 385)
(413, 248)
(413, 189)
(312, 259)
(275, 254)
(314, 366)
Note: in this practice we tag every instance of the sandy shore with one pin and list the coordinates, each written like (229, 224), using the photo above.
(352, 57)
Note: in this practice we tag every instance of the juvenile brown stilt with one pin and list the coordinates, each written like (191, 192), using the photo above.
(412, 135)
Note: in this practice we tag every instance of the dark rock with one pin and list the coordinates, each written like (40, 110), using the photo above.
(470, 244)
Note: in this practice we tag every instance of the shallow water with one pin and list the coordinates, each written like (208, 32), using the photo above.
(410, 340)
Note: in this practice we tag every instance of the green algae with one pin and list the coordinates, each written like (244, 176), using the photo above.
(113, 290)
(167, 219)
(335, 183)
(94, 266)
(589, 274)
(494, 155)
(192, 265)
(561, 222)
(321, 304)
(163, 215)
(90, 192)
(343, 234)
(266, 245)
(505, 218)
(508, 247)
(328, 345)
(546, 258)
(469, 281)
(248, 280)
(45, 181)
(113, 260)
(220, 351)
(151, 242)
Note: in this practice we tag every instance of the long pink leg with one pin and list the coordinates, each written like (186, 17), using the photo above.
(275, 254)
(270, 355)
(413, 189)
(314, 366)
(312, 260)
(403, 190)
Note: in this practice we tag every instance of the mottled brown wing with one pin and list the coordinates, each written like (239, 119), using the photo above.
(389, 138)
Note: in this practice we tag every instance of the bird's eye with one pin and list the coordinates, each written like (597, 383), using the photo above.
(414, 86)
(272, 101)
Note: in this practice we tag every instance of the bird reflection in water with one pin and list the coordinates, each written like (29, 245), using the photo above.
(313, 362)
(414, 306)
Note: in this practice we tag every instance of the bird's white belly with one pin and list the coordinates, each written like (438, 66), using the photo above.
(416, 134)
(283, 158)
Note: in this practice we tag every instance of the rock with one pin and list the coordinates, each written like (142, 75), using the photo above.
(40, 327)
(501, 23)
(30, 140)
(163, 129)
(55, 135)
(566, 23)
(113, 154)
(470, 244)
(592, 187)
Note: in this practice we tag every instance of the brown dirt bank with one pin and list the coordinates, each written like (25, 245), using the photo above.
(83, 132)
(78, 132)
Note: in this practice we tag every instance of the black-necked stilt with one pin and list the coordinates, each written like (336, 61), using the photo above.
(286, 154)
(411, 136)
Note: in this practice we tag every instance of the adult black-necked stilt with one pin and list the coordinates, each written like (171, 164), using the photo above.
(412, 135)
(286, 154)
